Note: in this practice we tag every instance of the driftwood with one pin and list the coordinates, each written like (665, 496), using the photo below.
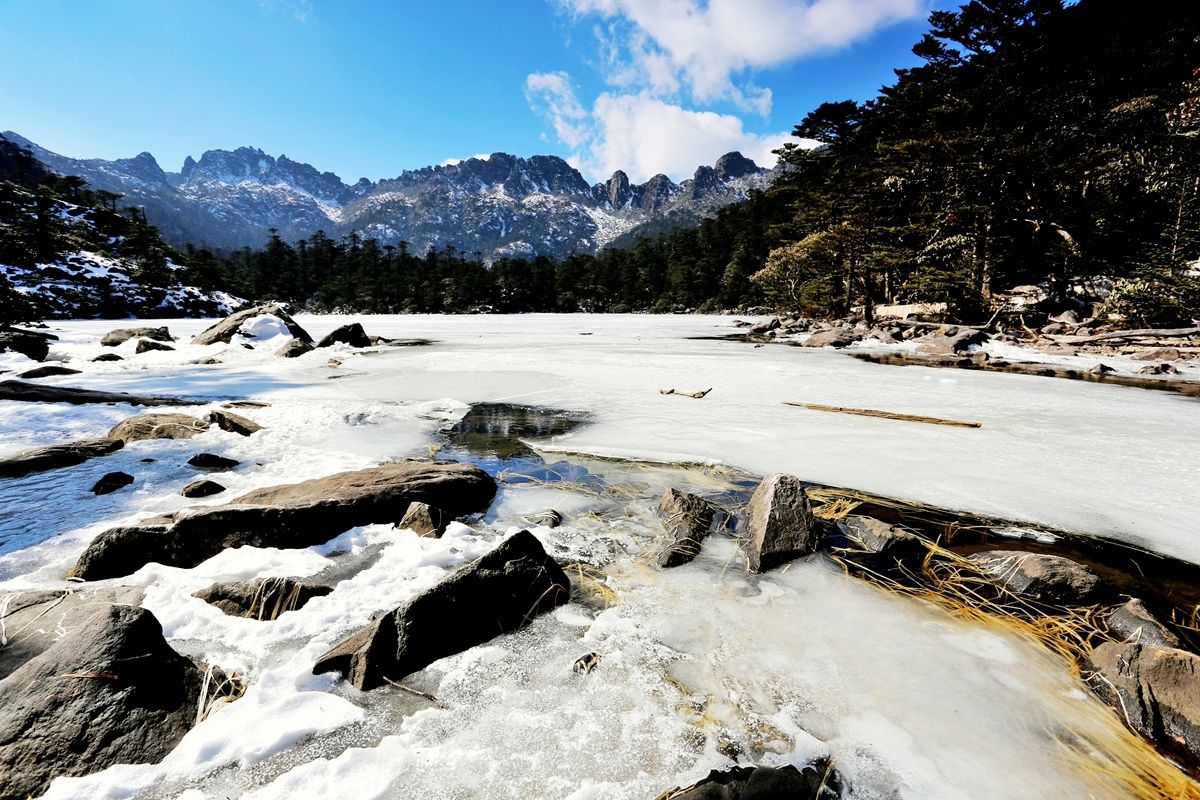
(696, 395)
(1148, 333)
(869, 412)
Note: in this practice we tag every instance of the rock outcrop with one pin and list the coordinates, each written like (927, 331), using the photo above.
(49, 371)
(225, 330)
(157, 426)
(55, 456)
(817, 781)
(202, 488)
(111, 482)
(499, 593)
(876, 536)
(352, 334)
(425, 520)
(834, 337)
(149, 345)
(261, 599)
(1050, 579)
(40, 393)
(212, 461)
(294, 348)
(779, 523)
(688, 518)
(28, 343)
(122, 335)
(234, 423)
(294, 515)
(1133, 622)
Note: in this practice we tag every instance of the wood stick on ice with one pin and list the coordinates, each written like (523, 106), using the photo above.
(869, 412)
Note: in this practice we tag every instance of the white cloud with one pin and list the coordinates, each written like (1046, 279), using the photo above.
(450, 162)
(552, 95)
(707, 46)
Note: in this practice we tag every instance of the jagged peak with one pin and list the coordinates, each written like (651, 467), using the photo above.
(734, 165)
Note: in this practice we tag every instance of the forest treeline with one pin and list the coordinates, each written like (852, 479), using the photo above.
(1036, 143)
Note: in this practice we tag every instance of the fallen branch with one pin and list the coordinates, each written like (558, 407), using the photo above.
(696, 395)
(1152, 333)
(868, 412)
(416, 692)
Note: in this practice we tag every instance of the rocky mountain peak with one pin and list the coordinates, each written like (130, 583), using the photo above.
(616, 190)
(732, 166)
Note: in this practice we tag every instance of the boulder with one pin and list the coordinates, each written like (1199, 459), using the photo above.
(29, 344)
(202, 488)
(764, 327)
(234, 423)
(550, 518)
(157, 426)
(48, 371)
(688, 518)
(55, 456)
(950, 345)
(1050, 579)
(1156, 689)
(424, 520)
(499, 593)
(1133, 622)
(212, 461)
(779, 523)
(293, 515)
(1159, 369)
(112, 482)
(262, 598)
(817, 781)
(1159, 354)
(122, 335)
(352, 334)
(1100, 369)
(875, 536)
(109, 691)
(147, 345)
(40, 393)
(294, 348)
(224, 330)
(108, 357)
(834, 337)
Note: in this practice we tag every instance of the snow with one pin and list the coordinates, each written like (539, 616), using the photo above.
(922, 706)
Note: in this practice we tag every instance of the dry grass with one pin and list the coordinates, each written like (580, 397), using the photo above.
(227, 688)
(591, 584)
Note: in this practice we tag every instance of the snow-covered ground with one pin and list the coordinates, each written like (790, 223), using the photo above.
(801, 661)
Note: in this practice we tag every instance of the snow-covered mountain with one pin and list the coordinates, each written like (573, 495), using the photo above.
(497, 206)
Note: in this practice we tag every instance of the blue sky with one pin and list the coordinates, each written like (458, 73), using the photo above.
(373, 87)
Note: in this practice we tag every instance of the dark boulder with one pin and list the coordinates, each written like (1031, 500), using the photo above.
(212, 461)
(109, 691)
(1155, 689)
(147, 345)
(262, 599)
(1159, 369)
(834, 337)
(108, 357)
(294, 515)
(1050, 579)
(225, 330)
(157, 426)
(294, 348)
(352, 334)
(48, 371)
(1133, 622)
(500, 592)
(875, 536)
(202, 488)
(425, 520)
(122, 335)
(688, 518)
(112, 482)
(29, 344)
(779, 523)
(234, 423)
(951, 344)
(55, 456)
(817, 781)
(40, 393)
(764, 327)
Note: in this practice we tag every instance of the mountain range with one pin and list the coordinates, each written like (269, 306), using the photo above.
(497, 206)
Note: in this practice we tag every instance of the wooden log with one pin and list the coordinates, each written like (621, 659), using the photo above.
(1148, 333)
(696, 395)
(870, 412)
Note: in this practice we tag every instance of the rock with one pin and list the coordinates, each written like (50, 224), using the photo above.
(108, 357)
(294, 348)
(1133, 622)
(207, 362)
(234, 423)
(246, 404)
(762, 328)
(549, 518)
(110, 691)
(1156, 689)
(1159, 354)
(29, 344)
(212, 461)
(779, 523)
(1052, 329)
(146, 345)
(817, 781)
(834, 337)
(1051, 579)
(1158, 369)
(883, 336)
(55, 456)
(1068, 317)
(202, 488)
(688, 519)
(224, 330)
(424, 520)
(262, 599)
(944, 345)
(112, 482)
(352, 334)
(499, 593)
(48, 371)
(1101, 369)
(157, 426)
(294, 515)
(40, 393)
(875, 536)
(122, 335)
